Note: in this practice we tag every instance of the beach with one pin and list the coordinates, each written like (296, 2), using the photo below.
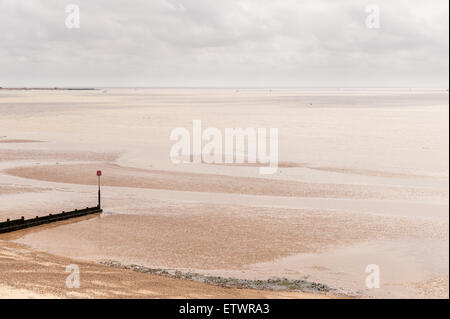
(362, 180)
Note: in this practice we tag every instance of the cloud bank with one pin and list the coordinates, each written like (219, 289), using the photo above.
(224, 43)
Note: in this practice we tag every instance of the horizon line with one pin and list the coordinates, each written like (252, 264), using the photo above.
(75, 87)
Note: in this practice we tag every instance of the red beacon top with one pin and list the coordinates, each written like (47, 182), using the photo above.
(99, 173)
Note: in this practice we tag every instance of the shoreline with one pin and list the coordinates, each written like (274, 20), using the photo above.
(301, 288)
(105, 282)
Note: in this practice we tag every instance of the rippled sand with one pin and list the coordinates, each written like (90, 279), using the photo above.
(363, 180)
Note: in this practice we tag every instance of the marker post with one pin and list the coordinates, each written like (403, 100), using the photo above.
(99, 173)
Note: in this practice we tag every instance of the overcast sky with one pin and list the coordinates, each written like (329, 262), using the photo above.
(310, 43)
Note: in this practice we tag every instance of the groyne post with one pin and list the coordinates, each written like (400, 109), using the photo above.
(99, 173)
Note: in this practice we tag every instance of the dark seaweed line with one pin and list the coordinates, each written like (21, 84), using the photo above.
(274, 284)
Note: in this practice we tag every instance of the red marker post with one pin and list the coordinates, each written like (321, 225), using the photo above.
(99, 173)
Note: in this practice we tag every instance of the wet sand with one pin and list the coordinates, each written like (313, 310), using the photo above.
(18, 141)
(222, 237)
(213, 183)
(26, 273)
(363, 180)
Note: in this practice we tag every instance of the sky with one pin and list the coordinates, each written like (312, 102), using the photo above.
(225, 43)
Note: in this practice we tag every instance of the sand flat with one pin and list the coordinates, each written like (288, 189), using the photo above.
(222, 237)
(157, 179)
(363, 179)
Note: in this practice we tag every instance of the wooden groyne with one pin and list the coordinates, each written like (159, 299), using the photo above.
(22, 223)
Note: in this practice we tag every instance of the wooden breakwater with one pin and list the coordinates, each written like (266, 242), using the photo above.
(22, 223)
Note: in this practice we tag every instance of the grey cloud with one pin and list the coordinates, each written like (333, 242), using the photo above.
(224, 43)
